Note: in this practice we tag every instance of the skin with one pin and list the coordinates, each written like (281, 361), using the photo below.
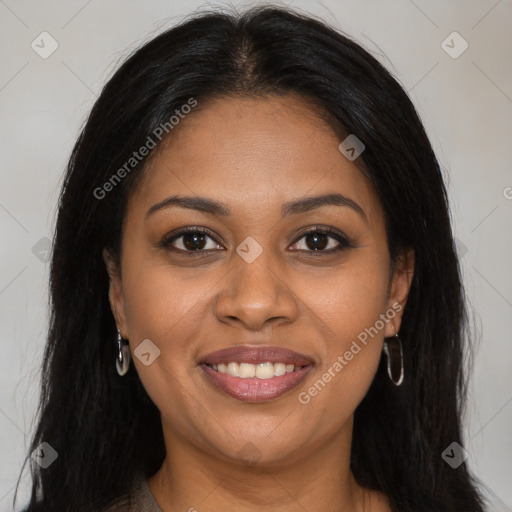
(254, 154)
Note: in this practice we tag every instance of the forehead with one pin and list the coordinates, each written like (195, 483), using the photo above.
(250, 152)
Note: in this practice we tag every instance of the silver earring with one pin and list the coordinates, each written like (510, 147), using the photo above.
(395, 355)
(123, 355)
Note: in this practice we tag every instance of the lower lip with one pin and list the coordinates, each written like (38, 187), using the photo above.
(254, 389)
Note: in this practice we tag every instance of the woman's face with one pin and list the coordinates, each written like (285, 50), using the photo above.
(254, 283)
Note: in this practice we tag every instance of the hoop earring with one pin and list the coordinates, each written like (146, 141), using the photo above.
(123, 355)
(395, 355)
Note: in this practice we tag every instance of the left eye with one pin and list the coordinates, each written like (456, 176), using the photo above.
(317, 240)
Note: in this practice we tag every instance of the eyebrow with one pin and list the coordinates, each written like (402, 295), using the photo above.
(211, 206)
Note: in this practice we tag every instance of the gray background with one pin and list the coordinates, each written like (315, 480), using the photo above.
(466, 106)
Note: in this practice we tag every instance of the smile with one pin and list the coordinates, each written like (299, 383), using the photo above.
(256, 374)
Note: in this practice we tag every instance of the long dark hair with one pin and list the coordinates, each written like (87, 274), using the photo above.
(105, 429)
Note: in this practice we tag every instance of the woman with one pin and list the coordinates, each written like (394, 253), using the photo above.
(256, 301)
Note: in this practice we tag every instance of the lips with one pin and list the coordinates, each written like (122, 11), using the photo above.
(262, 387)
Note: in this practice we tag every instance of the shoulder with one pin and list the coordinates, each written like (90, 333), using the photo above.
(138, 499)
(122, 504)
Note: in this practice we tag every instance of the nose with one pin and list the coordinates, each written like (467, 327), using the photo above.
(255, 295)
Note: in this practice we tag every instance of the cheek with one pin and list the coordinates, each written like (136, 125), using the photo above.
(168, 309)
(348, 309)
(348, 299)
(161, 303)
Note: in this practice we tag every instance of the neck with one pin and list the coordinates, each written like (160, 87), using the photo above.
(193, 479)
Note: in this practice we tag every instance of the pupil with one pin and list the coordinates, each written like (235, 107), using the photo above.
(315, 237)
(195, 237)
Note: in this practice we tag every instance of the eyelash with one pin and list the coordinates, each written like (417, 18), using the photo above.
(344, 242)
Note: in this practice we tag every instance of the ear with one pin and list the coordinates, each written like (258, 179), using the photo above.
(399, 290)
(115, 293)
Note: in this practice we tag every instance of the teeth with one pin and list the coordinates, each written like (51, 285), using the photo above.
(247, 370)
(279, 369)
(261, 371)
(233, 369)
(265, 370)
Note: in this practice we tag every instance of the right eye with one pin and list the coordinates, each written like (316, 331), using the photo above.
(191, 239)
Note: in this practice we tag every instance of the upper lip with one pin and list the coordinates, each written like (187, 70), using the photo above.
(257, 355)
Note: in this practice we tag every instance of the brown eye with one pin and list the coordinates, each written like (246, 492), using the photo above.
(191, 240)
(322, 240)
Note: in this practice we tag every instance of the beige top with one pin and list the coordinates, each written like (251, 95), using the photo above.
(140, 499)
